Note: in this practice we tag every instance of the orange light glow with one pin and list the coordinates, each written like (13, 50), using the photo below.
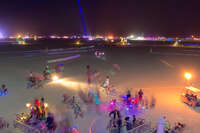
(110, 37)
(68, 83)
(45, 105)
(78, 43)
(19, 36)
(188, 76)
(193, 89)
(28, 105)
(55, 78)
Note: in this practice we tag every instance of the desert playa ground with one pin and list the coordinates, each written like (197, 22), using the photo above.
(161, 76)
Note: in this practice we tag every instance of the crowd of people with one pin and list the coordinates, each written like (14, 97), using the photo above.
(138, 100)
(39, 117)
(193, 99)
(119, 125)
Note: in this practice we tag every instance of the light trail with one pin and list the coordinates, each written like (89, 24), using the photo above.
(82, 18)
(166, 63)
(69, 83)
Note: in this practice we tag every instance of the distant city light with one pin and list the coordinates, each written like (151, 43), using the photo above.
(131, 36)
(35, 38)
(110, 37)
(78, 43)
(26, 37)
(65, 37)
(140, 38)
(53, 37)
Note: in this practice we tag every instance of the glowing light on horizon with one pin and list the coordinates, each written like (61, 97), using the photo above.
(110, 37)
(140, 38)
(53, 37)
(78, 43)
(65, 37)
(35, 38)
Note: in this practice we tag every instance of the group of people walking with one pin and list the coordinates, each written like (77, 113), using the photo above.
(119, 125)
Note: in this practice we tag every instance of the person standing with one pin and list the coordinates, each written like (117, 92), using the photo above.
(43, 109)
(89, 75)
(4, 89)
(97, 101)
(134, 121)
(128, 123)
(140, 93)
(106, 84)
(153, 102)
(119, 124)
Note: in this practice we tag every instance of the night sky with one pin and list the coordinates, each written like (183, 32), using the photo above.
(117, 17)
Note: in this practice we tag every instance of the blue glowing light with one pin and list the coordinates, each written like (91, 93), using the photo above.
(82, 18)
(60, 65)
(170, 40)
(2, 93)
(190, 44)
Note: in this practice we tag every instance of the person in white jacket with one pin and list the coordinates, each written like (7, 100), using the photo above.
(106, 84)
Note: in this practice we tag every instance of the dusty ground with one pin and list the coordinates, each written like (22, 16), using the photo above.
(139, 69)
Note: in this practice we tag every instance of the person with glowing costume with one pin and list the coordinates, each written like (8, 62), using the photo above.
(97, 100)
(37, 109)
(47, 72)
(128, 97)
(136, 100)
(113, 104)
